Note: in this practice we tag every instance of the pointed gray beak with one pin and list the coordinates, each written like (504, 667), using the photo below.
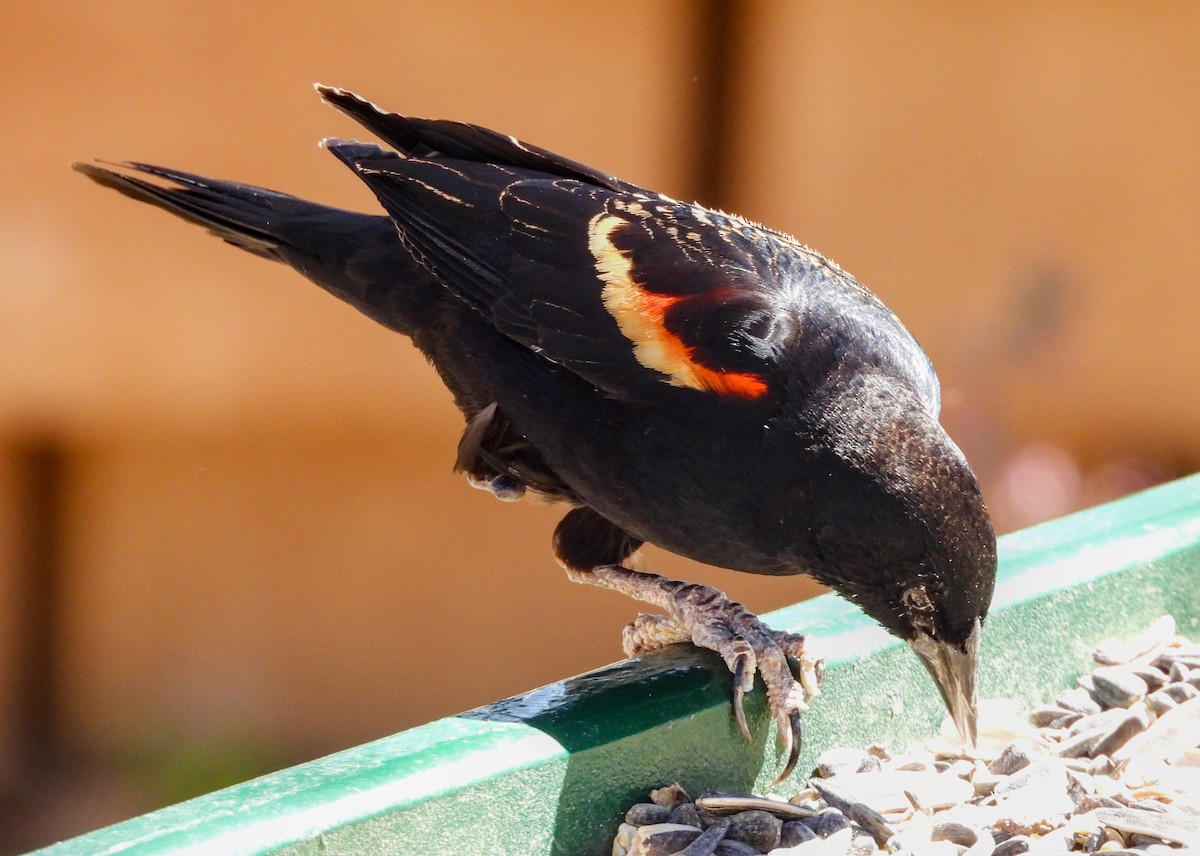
(954, 670)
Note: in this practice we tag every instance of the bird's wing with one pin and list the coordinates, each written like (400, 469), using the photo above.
(432, 138)
(628, 290)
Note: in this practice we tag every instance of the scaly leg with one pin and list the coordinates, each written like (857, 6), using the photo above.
(705, 617)
(698, 614)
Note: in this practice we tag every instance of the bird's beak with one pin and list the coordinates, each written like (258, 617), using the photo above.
(954, 670)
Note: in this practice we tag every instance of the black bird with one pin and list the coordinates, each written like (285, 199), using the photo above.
(676, 375)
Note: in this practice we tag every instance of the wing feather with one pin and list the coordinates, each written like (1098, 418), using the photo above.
(634, 292)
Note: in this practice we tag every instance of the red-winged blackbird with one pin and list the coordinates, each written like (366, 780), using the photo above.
(677, 375)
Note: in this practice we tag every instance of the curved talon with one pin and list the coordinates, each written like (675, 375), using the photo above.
(739, 693)
(705, 617)
(791, 733)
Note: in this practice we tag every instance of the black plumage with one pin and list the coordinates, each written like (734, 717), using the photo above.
(678, 375)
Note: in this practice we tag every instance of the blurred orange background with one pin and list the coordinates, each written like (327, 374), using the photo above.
(230, 538)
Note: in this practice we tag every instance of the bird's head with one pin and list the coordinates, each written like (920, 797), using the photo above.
(912, 544)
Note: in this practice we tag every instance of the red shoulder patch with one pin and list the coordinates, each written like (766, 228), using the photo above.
(640, 312)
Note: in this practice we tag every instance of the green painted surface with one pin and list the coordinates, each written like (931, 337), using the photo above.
(553, 770)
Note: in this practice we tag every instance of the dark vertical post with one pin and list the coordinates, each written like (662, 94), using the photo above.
(41, 465)
(720, 26)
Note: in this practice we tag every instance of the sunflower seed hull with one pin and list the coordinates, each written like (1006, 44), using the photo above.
(1111, 766)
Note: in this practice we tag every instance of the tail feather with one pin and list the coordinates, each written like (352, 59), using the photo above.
(236, 213)
(356, 257)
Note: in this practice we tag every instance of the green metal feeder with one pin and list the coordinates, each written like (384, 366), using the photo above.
(552, 771)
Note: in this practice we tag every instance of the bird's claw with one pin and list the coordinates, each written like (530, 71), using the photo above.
(792, 677)
(708, 619)
(808, 667)
(743, 679)
(791, 735)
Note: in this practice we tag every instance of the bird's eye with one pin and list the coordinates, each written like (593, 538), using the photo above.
(917, 599)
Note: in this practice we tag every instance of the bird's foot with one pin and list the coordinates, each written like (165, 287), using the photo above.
(707, 618)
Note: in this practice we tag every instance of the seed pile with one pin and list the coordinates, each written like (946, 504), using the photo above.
(1111, 766)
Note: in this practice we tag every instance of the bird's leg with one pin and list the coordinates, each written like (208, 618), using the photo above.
(701, 615)
(708, 619)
